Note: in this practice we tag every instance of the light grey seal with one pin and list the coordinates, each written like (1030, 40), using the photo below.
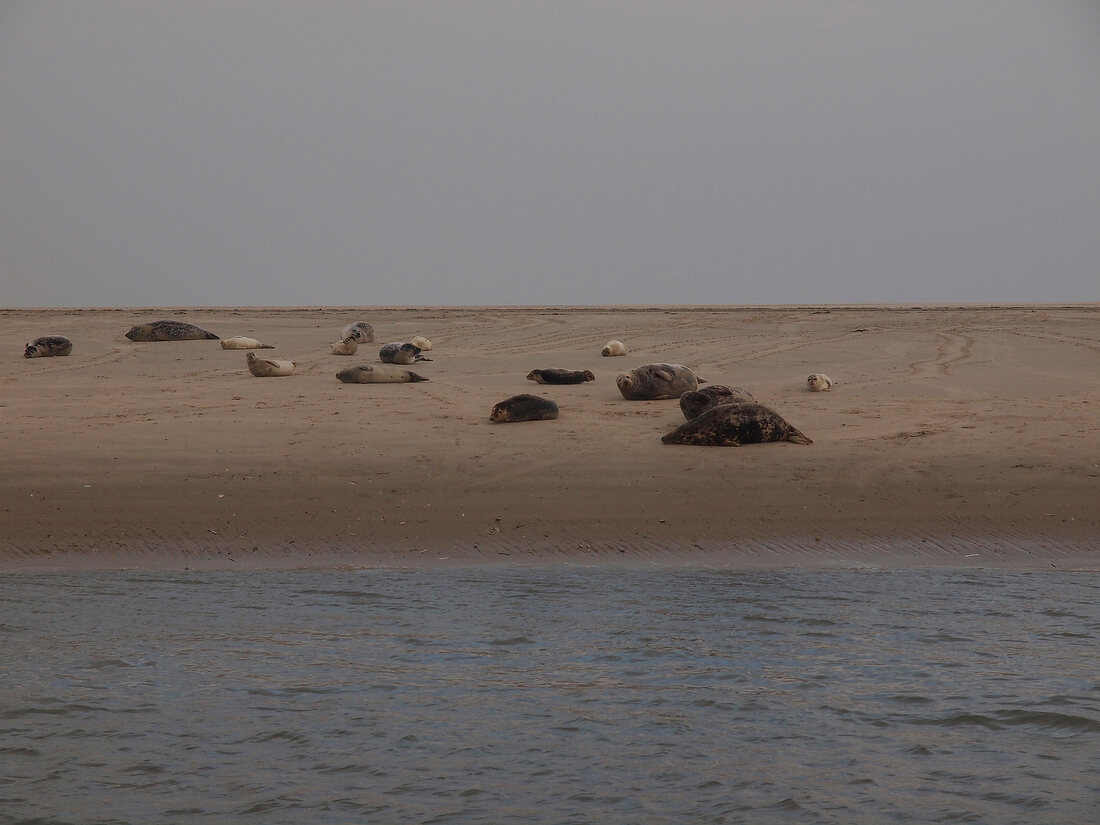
(558, 376)
(397, 352)
(652, 382)
(819, 383)
(48, 345)
(244, 342)
(361, 329)
(732, 425)
(695, 402)
(613, 347)
(349, 346)
(524, 407)
(422, 342)
(267, 367)
(168, 331)
(378, 374)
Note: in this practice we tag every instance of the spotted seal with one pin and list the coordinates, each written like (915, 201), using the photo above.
(613, 347)
(397, 352)
(731, 425)
(558, 376)
(524, 407)
(349, 346)
(652, 382)
(46, 346)
(818, 382)
(243, 342)
(168, 331)
(695, 402)
(378, 374)
(267, 367)
(361, 329)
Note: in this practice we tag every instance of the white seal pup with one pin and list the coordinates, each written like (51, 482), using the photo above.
(422, 342)
(613, 347)
(731, 425)
(362, 329)
(265, 367)
(48, 345)
(378, 374)
(397, 352)
(694, 403)
(243, 342)
(653, 382)
(524, 407)
(168, 331)
(819, 382)
(348, 346)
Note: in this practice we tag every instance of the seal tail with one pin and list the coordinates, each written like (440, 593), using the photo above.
(798, 438)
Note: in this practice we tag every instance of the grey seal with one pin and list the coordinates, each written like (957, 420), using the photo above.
(361, 329)
(378, 374)
(267, 367)
(613, 347)
(397, 352)
(422, 342)
(696, 402)
(817, 382)
(48, 345)
(244, 342)
(732, 425)
(558, 376)
(169, 331)
(349, 346)
(652, 382)
(524, 407)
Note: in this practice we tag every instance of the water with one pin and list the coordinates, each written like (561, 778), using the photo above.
(557, 695)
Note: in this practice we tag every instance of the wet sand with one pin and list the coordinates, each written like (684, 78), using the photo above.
(956, 435)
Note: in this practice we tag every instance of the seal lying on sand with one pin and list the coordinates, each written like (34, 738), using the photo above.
(694, 403)
(397, 352)
(349, 346)
(613, 347)
(556, 376)
(266, 367)
(168, 331)
(422, 342)
(525, 407)
(242, 342)
(732, 425)
(652, 382)
(378, 374)
(361, 329)
(48, 345)
(819, 383)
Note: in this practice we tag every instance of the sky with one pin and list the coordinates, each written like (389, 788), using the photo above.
(229, 153)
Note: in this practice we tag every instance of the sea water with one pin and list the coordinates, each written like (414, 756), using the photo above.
(556, 695)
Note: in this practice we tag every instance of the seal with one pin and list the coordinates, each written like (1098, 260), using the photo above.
(819, 383)
(613, 347)
(361, 328)
(266, 367)
(732, 425)
(348, 346)
(556, 376)
(48, 345)
(524, 407)
(168, 331)
(397, 352)
(693, 403)
(242, 342)
(422, 342)
(373, 374)
(652, 382)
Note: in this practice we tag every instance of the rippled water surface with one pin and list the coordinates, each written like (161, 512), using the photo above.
(558, 695)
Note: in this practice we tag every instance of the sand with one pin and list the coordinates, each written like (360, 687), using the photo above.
(956, 436)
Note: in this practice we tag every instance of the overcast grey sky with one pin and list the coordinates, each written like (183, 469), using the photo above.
(437, 153)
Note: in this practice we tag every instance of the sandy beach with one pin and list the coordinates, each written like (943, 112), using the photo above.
(955, 435)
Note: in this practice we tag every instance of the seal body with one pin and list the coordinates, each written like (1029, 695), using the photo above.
(267, 367)
(397, 352)
(242, 342)
(652, 382)
(422, 342)
(557, 376)
(361, 329)
(819, 382)
(731, 425)
(168, 331)
(378, 374)
(349, 346)
(613, 347)
(48, 345)
(525, 407)
(696, 402)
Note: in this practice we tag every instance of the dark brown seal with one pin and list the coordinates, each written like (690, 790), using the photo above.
(559, 376)
(525, 407)
(732, 425)
(695, 402)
